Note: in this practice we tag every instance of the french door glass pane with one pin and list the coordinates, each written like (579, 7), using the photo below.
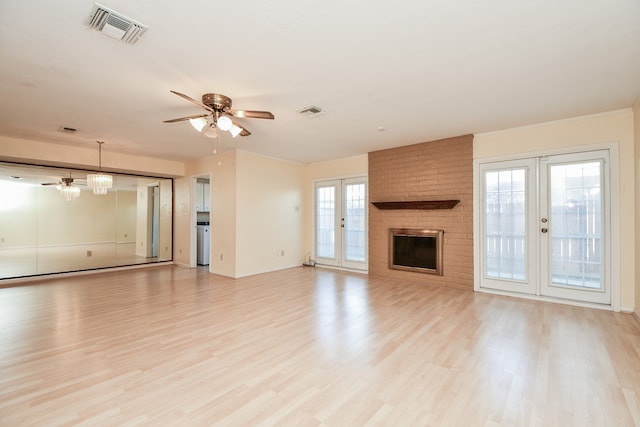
(354, 222)
(325, 221)
(505, 224)
(576, 224)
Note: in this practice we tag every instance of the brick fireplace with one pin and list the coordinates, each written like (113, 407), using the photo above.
(430, 171)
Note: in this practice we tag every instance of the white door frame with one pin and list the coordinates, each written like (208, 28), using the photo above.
(614, 237)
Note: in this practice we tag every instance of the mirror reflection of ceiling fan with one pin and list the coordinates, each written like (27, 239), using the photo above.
(219, 115)
(68, 186)
(64, 181)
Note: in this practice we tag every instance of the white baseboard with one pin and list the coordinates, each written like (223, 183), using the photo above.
(181, 265)
(266, 271)
(545, 299)
(26, 280)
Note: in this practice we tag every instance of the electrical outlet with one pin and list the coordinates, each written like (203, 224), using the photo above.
(180, 251)
(281, 252)
(220, 257)
(89, 253)
(125, 235)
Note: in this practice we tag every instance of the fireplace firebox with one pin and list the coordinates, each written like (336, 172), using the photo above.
(416, 250)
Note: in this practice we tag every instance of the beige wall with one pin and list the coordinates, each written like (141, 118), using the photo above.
(636, 125)
(616, 126)
(181, 221)
(332, 169)
(269, 214)
(18, 215)
(126, 216)
(256, 217)
(222, 168)
(44, 218)
(27, 151)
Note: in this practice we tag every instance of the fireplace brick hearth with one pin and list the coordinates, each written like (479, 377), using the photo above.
(436, 170)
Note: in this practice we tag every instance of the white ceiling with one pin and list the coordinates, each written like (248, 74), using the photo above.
(423, 70)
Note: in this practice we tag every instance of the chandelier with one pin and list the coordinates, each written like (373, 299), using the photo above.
(99, 182)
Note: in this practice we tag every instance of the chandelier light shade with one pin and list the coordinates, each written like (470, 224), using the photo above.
(69, 192)
(99, 182)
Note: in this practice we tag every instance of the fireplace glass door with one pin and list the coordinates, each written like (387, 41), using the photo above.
(341, 223)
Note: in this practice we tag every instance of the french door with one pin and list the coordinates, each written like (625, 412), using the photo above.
(545, 226)
(341, 223)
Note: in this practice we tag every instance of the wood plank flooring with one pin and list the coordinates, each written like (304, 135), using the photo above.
(167, 346)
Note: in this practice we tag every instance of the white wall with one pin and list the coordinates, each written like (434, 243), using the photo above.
(581, 131)
(339, 168)
(269, 211)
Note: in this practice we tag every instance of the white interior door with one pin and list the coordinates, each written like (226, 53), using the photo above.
(545, 226)
(341, 223)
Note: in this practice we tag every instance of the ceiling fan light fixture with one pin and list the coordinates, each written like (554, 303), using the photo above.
(199, 123)
(69, 192)
(224, 123)
(235, 130)
(211, 131)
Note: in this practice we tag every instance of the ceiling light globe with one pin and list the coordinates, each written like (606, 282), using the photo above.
(224, 123)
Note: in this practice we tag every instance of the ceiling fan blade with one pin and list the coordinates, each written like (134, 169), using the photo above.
(50, 183)
(182, 119)
(252, 114)
(193, 101)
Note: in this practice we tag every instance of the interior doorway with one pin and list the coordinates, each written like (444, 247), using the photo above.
(201, 225)
(153, 220)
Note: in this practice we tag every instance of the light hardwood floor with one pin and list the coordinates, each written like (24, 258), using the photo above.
(167, 346)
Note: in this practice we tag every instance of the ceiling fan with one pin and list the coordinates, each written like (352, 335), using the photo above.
(219, 115)
(67, 188)
(67, 182)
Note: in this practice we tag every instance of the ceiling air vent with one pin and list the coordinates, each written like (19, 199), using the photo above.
(311, 110)
(67, 129)
(115, 25)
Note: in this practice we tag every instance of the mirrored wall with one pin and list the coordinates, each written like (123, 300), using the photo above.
(51, 222)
